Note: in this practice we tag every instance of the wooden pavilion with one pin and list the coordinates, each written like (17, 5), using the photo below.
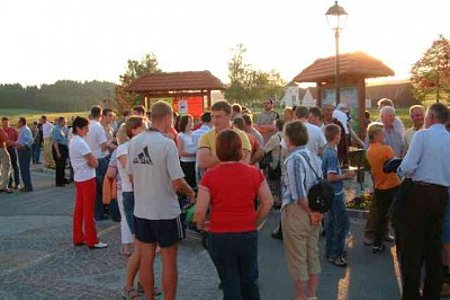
(354, 69)
(176, 86)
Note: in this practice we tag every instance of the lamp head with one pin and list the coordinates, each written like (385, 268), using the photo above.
(336, 17)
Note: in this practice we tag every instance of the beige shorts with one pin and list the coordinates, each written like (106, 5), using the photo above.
(301, 242)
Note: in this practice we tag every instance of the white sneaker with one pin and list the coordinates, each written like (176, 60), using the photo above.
(99, 245)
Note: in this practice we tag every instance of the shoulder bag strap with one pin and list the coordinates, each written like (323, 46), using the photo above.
(310, 166)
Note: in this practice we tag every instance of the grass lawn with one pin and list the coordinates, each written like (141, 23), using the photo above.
(34, 115)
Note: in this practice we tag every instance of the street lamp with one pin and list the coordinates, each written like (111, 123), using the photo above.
(336, 18)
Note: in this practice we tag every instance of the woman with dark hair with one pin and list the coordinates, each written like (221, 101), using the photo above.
(84, 164)
(187, 149)
(228, 191)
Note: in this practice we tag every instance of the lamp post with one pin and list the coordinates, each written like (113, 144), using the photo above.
(336, 18)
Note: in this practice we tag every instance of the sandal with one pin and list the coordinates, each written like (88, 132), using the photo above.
(378, 249)
(126, 254)
(130, 294)
(156, 290)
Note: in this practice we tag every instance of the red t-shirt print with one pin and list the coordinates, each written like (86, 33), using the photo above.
(233, 188)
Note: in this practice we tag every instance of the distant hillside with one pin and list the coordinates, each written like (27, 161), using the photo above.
(62, 96)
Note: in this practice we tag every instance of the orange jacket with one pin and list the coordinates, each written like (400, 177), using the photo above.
(109, 190)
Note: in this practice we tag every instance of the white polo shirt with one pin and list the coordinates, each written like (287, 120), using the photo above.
(95, 137)
(316, 139)
(47, 128)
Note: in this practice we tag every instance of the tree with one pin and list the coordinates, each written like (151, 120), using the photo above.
(147, 65)
(247, 84)
(431, 74)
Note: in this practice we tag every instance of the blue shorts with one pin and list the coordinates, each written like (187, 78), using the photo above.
(128, 207)
(447, 224)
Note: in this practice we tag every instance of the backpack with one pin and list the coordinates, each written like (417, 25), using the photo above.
(321, 194)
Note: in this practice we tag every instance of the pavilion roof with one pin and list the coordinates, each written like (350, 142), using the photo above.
(357, 63)
(176, 81)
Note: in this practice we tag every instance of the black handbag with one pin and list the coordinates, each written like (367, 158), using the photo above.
(321, 194)
(274, 174)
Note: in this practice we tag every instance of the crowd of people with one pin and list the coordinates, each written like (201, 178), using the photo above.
(235, 169)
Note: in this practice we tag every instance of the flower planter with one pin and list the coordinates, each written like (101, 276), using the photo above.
(357, 213)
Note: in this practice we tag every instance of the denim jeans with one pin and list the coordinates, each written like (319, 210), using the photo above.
(128, 207)
(15, 168)
(337, 227)
(100, 173)
(24, 162)
(35, 152)
(235, 256)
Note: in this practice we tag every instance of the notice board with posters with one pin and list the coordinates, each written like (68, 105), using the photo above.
(192, 105)
(349, 96)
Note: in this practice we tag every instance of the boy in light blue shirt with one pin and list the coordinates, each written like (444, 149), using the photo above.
(337, 221)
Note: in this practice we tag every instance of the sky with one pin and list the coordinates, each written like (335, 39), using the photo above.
(49, 40)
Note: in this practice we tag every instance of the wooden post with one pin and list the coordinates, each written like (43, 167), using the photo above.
(362, 107)
(208, 100)
(319, 93)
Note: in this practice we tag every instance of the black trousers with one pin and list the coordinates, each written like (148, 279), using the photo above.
(421, 228)
(60, 163)
(384, 200)
(13, 157)
(189, 173)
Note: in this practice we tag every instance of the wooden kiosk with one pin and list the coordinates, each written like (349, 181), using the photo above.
(187, 92)
(354, 69)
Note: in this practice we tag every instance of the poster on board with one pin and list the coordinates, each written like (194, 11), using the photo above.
(192, 105)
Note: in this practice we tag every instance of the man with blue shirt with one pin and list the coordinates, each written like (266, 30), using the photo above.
(427, 163)
(60, 151)
(23, 146)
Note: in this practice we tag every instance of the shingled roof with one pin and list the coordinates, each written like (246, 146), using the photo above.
(176, 81)
(357, 63)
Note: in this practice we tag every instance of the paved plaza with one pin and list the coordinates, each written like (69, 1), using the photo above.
(38, 261)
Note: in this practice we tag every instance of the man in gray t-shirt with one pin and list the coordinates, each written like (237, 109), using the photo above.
(155, 171)
(266, 120)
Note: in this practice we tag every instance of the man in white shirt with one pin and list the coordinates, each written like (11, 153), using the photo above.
(98, 143)
(154, 167)
(316, 138)
(47, 129)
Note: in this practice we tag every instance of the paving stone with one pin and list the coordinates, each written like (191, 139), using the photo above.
(38, 261)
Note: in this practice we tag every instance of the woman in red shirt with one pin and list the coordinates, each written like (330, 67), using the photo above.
(229, 191)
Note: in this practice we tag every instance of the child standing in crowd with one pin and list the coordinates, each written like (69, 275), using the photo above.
(386, 184)
(337, 222)
(300, 224)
